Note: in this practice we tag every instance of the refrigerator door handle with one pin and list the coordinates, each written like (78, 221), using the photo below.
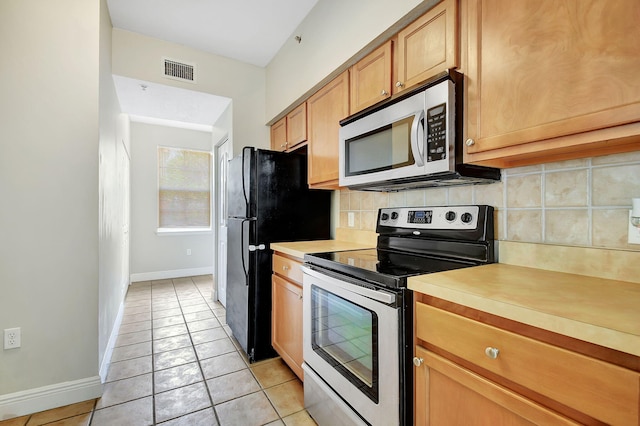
(244, 265)
(244, 188)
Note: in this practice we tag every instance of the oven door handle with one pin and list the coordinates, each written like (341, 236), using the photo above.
(378, 295)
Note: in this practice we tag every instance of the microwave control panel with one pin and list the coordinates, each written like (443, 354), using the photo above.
(437, 133)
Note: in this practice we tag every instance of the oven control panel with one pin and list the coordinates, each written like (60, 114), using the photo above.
(442, 217)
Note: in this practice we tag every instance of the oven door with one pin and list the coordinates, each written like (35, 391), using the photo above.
(351, 343)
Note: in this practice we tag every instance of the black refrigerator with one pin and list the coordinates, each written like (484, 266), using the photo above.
(268, 201)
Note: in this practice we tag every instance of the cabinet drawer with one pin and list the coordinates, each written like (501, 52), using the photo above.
(287, 268)
(601, 390)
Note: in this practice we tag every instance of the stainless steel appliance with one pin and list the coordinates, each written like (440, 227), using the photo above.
(358, 312)
(268, 201)
(410, 141)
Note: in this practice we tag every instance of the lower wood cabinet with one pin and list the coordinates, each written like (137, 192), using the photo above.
(469, 372)
(447, 394)
(286, 314)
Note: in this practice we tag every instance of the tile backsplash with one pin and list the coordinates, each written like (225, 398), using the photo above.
(582, 202)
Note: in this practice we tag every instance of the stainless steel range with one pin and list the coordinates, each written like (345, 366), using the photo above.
(358, 312)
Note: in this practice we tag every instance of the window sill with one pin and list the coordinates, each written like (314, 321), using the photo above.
(176, 232)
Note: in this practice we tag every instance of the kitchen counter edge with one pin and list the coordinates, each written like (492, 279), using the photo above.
(599, 311)
(299, 248)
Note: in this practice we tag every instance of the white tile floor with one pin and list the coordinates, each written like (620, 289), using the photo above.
(175, 363)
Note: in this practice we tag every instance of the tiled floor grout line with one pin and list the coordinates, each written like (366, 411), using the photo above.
(198, 360)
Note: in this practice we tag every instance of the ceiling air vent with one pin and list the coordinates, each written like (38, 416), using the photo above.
(179, 70)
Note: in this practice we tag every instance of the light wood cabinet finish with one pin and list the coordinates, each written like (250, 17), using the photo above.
(288, 268)
(600, 390)
(286, 311)
(286, 330)
(291, 130)
(325, 109)
(279, 135)
(371, 78)
(447, 394)
(551, 80)
(428, 46)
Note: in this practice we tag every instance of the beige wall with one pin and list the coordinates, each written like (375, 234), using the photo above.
(140, 57)
(49, 185)
(577, 203)
(332, 33)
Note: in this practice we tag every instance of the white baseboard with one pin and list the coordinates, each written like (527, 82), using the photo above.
(47, 397)
(106, 359)
(176, 273)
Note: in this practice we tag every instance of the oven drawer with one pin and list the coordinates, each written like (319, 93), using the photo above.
(601, 390)
(288, 268)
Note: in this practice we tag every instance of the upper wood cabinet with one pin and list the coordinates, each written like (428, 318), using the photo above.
(427, 46)
(279, 135)
(325, 109)
(371, 78)
(291, 130)
(549, 80)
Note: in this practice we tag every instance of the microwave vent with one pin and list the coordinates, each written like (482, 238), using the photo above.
(179, 70)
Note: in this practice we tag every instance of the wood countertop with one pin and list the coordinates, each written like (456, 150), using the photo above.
(299, 248)
(601, 311)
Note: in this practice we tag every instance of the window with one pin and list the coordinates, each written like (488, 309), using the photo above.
(184, 189)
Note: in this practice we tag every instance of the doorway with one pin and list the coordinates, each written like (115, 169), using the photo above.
(223, 153)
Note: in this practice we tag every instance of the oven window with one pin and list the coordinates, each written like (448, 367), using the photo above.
(386, 148)
(345, 335)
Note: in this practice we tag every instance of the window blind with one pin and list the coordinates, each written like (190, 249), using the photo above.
(184, 188)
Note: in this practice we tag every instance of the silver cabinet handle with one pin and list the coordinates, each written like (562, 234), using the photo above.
(417, 361)
(492, 353)
(399, 84)
(384, 93)
(470, 142)
(285, 267)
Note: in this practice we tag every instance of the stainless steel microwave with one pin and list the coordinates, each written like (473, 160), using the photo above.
(410, 141)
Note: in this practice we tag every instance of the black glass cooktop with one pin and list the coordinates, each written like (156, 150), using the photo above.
(386, 268)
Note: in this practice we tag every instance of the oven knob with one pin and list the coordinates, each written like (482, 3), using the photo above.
(466, 218)
(384, 217)
(450, 216)
(394, 215)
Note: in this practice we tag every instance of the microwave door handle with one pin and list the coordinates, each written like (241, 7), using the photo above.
(417, 138)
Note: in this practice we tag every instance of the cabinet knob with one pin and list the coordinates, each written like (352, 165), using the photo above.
(491, 352)
(399, 84)
(384, 93)
(285, 268)
(300, 296)
(470, 142)
(417, 361)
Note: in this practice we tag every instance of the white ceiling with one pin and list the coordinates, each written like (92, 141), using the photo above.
(250, 31)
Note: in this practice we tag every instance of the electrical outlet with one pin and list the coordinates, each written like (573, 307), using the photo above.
(188, 252)
(351, 219)
(12, 338)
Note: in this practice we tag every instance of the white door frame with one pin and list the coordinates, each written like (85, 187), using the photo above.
(218, 194)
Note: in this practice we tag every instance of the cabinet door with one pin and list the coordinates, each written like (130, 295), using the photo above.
(428, 46)
(279, 135)
(546, 69)
(286, 330)
(325, 109)
(297, 126)
(447, 394)
(371, 78)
